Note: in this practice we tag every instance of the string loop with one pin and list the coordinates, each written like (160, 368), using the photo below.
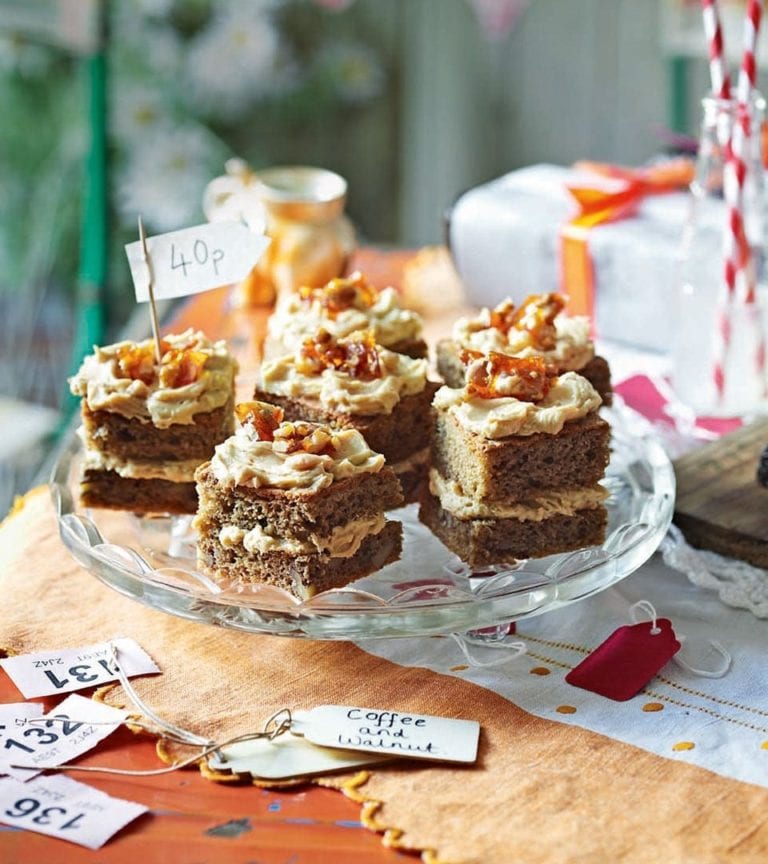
(278, 724)
(649, 609)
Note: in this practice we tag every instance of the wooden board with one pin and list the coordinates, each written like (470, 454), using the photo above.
(720, 505)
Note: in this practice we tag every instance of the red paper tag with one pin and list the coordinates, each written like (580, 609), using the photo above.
(627, 660)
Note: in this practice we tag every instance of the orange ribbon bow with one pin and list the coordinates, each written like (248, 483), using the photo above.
(598, 205)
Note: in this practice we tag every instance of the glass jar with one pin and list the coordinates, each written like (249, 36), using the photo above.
(312, 239)
(697, 350)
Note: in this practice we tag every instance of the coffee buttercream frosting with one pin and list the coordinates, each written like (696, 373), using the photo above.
(296, 318)
(245, 460)
(106, 386)
(570, 397)
(401, 376)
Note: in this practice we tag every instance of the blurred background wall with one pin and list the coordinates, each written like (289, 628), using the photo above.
(412, 101)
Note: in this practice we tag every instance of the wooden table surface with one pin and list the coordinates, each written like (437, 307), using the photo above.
(193, 820)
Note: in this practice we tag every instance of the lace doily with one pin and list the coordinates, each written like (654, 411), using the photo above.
(737, 583)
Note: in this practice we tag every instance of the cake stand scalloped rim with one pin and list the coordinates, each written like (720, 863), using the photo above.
(639, 471)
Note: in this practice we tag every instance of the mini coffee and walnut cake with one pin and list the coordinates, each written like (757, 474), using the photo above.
(517, 457)
(295, 505)
(538, 327)
(147, 426)
(342, 307)
(353, 383)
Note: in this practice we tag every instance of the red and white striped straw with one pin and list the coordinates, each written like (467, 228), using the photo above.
(739, 272)
(718, 69)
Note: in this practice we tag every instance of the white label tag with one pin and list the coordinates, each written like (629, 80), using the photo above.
(287, 756)
(66, 732)
(195, 259)
(61, 807)
(396, 733)
(44, 673)
(14, 718)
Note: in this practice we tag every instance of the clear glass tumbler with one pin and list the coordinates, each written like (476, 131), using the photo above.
(698, 307)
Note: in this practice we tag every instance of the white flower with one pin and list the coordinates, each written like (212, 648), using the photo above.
(165, 175)
(354, 70)
(135, 113)
(237, 59)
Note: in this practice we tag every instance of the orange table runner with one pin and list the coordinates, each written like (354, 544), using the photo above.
(541, 791)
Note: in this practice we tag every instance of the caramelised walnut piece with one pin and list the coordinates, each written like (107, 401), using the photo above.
(340, 294)
(356, 355)
(178, 366)
(262, 416)
(535, 316)
(526, 378)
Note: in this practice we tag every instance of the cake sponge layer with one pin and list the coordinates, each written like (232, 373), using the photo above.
(481, 542)
(298, 514)
(301, 575)
(132, 438)
(107, 489)
(518, 466)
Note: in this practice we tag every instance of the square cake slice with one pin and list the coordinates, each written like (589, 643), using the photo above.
(537, 327)
(296, 505)
(353, 383)
(147, 425)
(517, 456)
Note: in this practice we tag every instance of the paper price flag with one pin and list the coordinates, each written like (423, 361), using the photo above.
(194, 259)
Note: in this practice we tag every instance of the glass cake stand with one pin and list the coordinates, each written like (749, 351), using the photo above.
(428, 591)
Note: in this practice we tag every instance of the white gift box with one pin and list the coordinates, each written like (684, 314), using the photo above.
(505, 239)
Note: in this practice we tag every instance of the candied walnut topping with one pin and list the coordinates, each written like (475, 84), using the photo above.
(503, 316)
(356, 356)
(525, 378)
(178, 366)
(536, 316)
(138, 361)
(467, 355)
(342, 293)
(309, 437)
(262, 416)
(267, 421)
